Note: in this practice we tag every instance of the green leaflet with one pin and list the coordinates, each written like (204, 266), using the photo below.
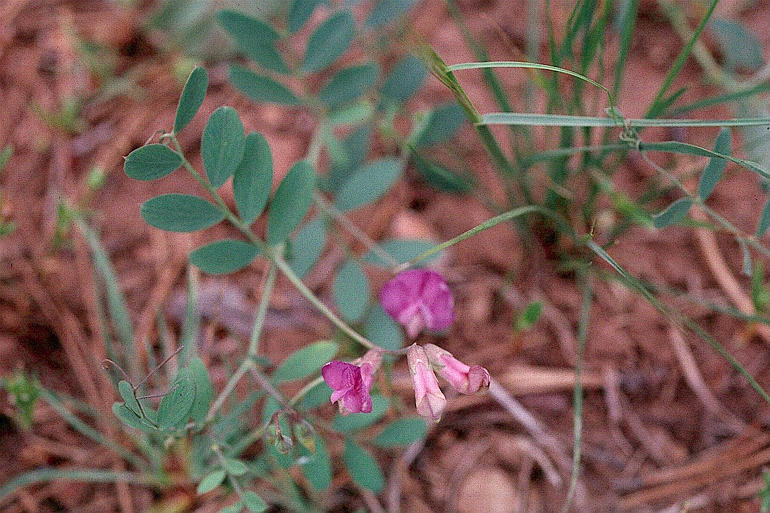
(180, 213)
(191, 99)
(151, 162)
(329, 41)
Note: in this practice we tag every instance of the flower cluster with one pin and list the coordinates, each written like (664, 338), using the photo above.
(417, 299)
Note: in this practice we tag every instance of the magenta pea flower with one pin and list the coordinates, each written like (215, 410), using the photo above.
(418, 299)
(466, 379)
(351, 383)
(428, 398)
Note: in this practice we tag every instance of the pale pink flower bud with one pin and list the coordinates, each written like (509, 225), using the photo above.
(466, 379)
(418, 299)
(351, 383)
(428, 398)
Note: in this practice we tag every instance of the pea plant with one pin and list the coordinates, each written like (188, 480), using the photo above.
(171, 408)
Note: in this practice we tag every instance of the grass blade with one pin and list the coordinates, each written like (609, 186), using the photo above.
(524, 118)
(577, 394)
(116, 303)
(655, 107)
(46, 475)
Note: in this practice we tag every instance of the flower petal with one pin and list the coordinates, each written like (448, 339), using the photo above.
(341, 375)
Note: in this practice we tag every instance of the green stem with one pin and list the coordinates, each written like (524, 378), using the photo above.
(654, 109)
(577, 393)
(354, 230)
(751, 240)
(489, 223)
(278, 260)
(248, 362)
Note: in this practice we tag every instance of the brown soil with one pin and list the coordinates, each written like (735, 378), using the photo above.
(667, 423)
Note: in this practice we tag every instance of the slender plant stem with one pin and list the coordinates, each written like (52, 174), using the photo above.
(259, 320)
(653, 111)
(248, 362)
(354, 230)
(577, 393)
(751, 240)
(268, 387)
(274, 256)
(489, 223)
(304, 390)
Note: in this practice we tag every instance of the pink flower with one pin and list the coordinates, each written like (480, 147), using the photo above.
(466, 379)
(351, 383)
(428, 398)
(417, 299)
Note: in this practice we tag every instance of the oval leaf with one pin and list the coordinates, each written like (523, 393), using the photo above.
(299, 12)
(329, 41)
(235, 467)
(307, 246)
(204, 391)
(222, 145)
(254, 38)
(261, 88)
(175, 406)
(291, 202)
(253, 502)
(402, 432)
(441, 125)
(315, 397)
(318, 471)
(126, 392)
(383, 330)
(192, 97)
(675, 212)
(253, 178)
(386, 11)
(348, 84)
(368, 184)
(764, 220)
(440, 177)
(224, 256)
(151, 162)
(306, 361)
(716, 166)
(233, 508)
(351, 291)
(130, 419)
(363, 467)
(211, 481)
(180, 213)
(741, 49)
(350, 423)
(404, 79)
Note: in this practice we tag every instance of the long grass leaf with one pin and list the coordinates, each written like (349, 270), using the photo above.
(116, 303)
(722, 98)
(530, 65)
(577, 393)
(46, 475)
(489, 223)
(626, 29)
(691, 149)
(655, 107)
(525, 118)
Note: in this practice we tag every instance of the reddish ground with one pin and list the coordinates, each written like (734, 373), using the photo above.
(667, 422)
